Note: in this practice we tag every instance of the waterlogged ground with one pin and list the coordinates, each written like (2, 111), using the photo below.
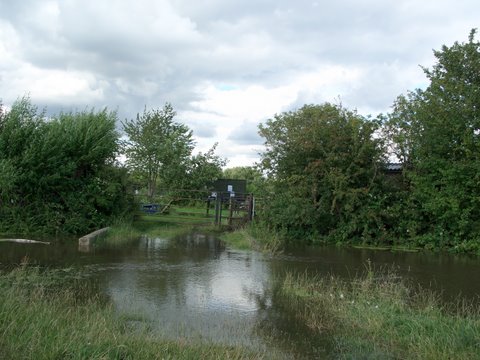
(195, 289)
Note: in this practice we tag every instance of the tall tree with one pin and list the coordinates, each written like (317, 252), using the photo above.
(441, 128)
(158, 148)
(203, 169)
(323, 161)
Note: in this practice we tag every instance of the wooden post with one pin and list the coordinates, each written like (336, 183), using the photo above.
(250, 207)
(218, 209)
(253, 207)
(230, 208)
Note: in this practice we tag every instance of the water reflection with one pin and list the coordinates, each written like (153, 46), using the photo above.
(195, 288)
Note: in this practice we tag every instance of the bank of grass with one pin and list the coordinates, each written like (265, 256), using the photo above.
(122, 233)
(253, 237)
(238, 239)
(43, 316)
(378, 316)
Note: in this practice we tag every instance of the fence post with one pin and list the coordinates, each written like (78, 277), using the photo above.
(218, 209)
(250, 206)
(230, 213)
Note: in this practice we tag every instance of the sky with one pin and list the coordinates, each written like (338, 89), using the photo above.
(225, 66)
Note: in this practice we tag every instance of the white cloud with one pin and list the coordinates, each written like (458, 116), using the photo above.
(47, 86)
(225, 66)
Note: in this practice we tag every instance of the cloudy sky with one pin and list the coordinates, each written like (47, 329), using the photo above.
(224, 65)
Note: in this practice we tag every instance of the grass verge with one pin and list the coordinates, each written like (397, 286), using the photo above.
(380, 317)
(238, 239)
(44, 316)
(253, 237)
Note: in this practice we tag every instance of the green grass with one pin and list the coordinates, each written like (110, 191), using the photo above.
(119, 234)
(377, 316)
(238, 239)
(123, 233)
(253, 237)
(44, 315)
(178, 221)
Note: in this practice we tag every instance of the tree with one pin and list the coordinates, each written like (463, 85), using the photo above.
(157, 148)
(203, 169)
(441, 128)
(323, 162)
(59, 175)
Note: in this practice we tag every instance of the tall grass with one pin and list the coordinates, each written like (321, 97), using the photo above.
(379, 316)
(254, 236)
(43, 316)
(238, 239)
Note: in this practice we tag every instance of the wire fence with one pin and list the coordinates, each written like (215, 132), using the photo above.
(198, 207)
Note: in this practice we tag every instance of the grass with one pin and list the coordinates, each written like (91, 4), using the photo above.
(119, 234)
(253, 237)
(377, 316)
(238, 239)
(46, 315)
(123, 233)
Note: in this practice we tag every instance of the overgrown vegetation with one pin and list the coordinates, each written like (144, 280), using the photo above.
(327, 166)
(253, 237)
(59, 175)
(54, 315)
(324, 168)
(378, 316)
(323, 176)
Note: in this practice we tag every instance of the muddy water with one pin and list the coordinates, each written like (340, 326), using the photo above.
(194, 288)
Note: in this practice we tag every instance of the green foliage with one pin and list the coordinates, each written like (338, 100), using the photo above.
(59, 174)
(326, 166)
(157, 148)
(159, 154)
(323, 164)
(437, 133)
(203, 169)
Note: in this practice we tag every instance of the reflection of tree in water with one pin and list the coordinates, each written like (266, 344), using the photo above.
(280, 326)
(198, 247)
(169, 267)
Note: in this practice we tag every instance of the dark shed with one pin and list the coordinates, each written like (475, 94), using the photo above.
(230, 185)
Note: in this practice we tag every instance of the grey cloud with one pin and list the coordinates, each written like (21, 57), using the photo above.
(148, 52)
(205, 129)
(246, 134)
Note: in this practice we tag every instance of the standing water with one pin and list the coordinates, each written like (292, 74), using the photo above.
(194, 288)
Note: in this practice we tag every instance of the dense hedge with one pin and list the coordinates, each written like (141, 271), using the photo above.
(58, 175)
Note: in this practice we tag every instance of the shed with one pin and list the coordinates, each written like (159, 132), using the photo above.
(230, 185)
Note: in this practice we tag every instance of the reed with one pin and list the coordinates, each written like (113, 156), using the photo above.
(254, 237)
(377, 315)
